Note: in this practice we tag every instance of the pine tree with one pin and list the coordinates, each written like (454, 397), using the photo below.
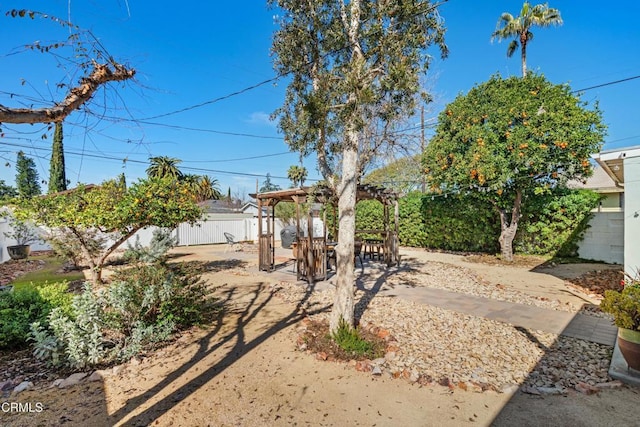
(27, 180)
(57, 177)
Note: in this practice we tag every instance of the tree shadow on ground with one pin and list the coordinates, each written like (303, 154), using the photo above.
(407, 265)
(259, 297)
(215, 266)
(551, 395)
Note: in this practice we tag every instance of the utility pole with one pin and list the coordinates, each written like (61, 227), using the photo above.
(424, 182)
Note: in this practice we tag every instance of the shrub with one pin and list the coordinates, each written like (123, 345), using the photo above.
(161, 242)
(25, 305)
(551, 224)
(624, 306)
(350, 340)
(153, 293)
(144, 305)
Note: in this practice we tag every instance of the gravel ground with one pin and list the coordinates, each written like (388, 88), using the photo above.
(433, 345)
(459, 279)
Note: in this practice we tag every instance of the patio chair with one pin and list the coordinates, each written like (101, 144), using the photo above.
(231, 242)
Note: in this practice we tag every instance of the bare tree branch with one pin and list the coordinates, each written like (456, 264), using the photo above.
(101, 74)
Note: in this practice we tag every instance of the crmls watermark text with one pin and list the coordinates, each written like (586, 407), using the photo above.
(12, 407)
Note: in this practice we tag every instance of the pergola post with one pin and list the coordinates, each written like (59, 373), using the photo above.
(396, 238)
(311, 262)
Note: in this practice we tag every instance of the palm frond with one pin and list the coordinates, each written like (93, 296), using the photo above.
(513, 46)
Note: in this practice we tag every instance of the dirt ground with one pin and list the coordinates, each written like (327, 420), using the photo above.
(244, 370)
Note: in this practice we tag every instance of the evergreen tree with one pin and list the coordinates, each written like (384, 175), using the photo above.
(122, 181)
(57, 177)
(27, 179)
(7, 191)
(267, 185)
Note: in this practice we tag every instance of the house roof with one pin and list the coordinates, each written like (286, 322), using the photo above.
(600, 182)
(612, 161)
(219, 206)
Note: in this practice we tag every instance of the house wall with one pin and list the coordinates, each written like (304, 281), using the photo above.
(632, 216)
(611, 200)
(604, 239)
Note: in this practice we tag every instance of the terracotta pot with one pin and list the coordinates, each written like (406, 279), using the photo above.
(19, 251)
(629, 344)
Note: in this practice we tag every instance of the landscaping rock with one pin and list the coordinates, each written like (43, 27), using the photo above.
(438, 343)
(56, 383)
(96, 376)
(609, 385)
(586, 388)
(6, 385)
(25, 385)
(72, 380)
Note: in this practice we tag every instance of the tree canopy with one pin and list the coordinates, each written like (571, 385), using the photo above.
(164, 167)
(57, 175)
(509, 137)
(27, 180)
(297, 175)
(402, 175)
(268, 185)
(113, 210)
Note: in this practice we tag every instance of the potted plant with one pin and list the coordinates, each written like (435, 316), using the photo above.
(624, 306)
(24, 234)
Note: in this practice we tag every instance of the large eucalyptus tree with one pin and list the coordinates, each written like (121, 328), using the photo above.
(355, 69)
(519, 27)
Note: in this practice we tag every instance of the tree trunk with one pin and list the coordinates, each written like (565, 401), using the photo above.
(509, 227)
(343, 303)
(523, 54)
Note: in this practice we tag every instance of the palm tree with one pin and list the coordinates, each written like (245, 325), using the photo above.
(519, 28)
(208, 188)
(202, 187)
(297, 175)
(164, 166)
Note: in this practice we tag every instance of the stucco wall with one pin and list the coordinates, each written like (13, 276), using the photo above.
(604, 239)
(632, 216)
(611, 200)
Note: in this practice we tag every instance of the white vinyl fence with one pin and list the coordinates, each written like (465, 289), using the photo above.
(209, 231)
(212, 231)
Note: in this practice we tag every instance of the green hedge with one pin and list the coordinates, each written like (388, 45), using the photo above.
(555, 223)
(551, 224)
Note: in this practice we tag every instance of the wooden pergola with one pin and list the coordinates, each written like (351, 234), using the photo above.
(311, 251)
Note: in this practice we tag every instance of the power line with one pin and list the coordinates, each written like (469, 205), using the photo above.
(126, 160)
(607, 84)
(218, 99)
(236, 159)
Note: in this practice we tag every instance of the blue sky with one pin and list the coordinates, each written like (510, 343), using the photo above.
(190, 53)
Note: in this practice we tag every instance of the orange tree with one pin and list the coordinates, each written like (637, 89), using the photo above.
(113, 211)
(510, 138)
